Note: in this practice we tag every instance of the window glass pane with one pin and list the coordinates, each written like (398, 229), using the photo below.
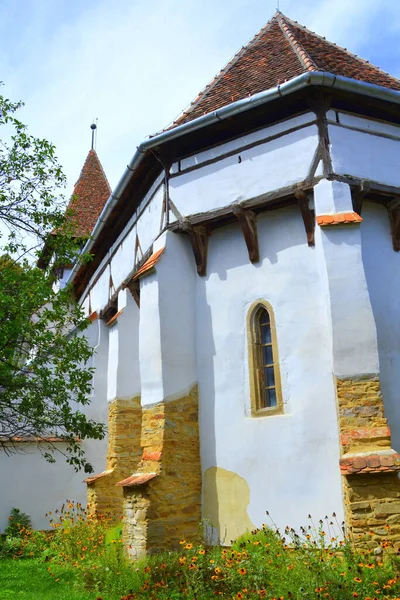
(270, 398)
(267, 355)
(266, 334)
(263, 316)
(269, 376)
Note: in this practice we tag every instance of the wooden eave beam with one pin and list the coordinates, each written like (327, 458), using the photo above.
(358, 194)
(374, 186)
(198, 236)
(393, 208)
(224, 215)
(248, 224)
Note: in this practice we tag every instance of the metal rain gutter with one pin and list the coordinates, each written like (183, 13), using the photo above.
(313, 78)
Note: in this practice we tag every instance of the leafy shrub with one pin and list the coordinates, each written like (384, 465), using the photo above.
(18, 522)
(10, 546)
(316, 563)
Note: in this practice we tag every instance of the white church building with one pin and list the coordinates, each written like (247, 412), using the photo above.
(244, 301)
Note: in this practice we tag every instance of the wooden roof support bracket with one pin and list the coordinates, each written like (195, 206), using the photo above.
(198, 236)
(134, 288)
(248, 224)
(393, 208)
(358, 195)
(307, 215)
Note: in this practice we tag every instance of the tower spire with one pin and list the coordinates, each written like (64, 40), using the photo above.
(93, 127)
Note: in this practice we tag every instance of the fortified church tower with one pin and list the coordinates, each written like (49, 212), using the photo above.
(245, 284)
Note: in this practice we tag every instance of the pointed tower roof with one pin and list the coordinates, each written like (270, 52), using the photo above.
(90, 194)
(281, 50)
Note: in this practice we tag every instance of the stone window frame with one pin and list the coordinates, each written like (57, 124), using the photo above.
(256, 363)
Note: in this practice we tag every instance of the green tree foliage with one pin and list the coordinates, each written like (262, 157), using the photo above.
(45, 377)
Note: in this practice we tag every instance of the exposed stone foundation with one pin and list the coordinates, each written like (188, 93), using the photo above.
(363, 426)
(373, 508)
(162, 500)
(369, 465)
(124, 453)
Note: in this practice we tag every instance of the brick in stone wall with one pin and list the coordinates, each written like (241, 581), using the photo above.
(123, 455)
(166, 509)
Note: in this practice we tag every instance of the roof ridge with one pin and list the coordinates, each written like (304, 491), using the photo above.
(320, 37)
(303, 56)
(208, 88)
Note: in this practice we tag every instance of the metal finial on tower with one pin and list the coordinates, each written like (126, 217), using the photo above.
(93, 127)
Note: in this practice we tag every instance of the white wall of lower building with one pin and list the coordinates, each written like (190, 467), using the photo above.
(35, 486)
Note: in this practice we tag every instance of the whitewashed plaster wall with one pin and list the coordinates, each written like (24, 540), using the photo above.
(354, 338)
(289, 461)
(150, 361)
(281, 157)
(382, 268)
(167, 323)
(274, 163)
(35, 486)
(122, 257)
(252, 172)
(365, 148)
(123, 355)
(96, 450)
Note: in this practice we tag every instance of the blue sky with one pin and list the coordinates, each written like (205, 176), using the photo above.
(135, 64)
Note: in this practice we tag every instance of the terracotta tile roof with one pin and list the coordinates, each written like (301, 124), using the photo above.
(94, 478)
(371, 463)
(90, 194)
(280, 51)
(138, 479)
(150, 263)
(339, 219)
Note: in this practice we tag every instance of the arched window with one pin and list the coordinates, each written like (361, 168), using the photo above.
(266, 394)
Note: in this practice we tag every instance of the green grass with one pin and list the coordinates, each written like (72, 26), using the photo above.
(30, 580)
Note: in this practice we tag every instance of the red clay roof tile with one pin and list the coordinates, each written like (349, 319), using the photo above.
(372, 463)
(90, 194)
(94, 478)
(138, 479)
(150, 263)
(339, 219)
(280, 51)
